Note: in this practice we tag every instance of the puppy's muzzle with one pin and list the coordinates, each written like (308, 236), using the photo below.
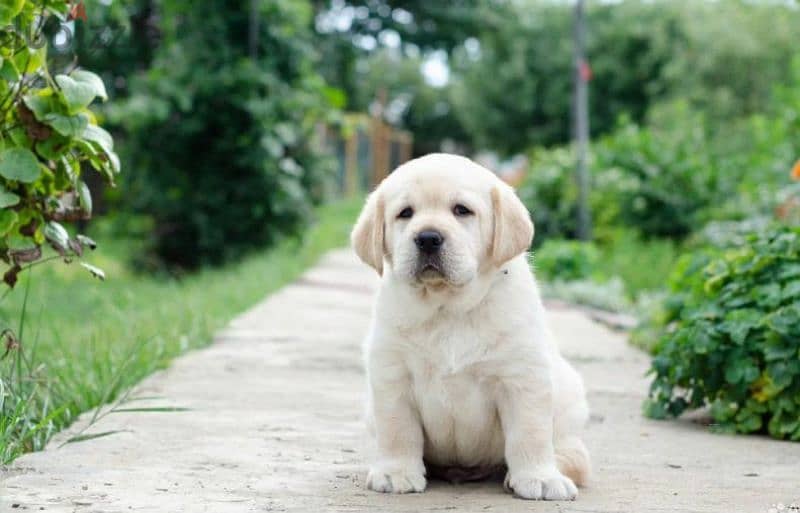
(429, 242)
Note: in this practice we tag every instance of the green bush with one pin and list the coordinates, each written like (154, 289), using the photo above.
(657, 179)
(660, 176)
(566, 260)
(49, 140)
(673, 175)
(550, 193)
(220, 131)
(733, 340)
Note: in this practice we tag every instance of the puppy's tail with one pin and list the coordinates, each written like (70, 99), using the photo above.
(572, 459)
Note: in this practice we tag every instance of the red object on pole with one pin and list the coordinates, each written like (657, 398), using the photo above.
(77, 12)
(585, 71)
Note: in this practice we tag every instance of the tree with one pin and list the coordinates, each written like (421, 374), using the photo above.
(222, 141)
(355, 60)
(640, 54)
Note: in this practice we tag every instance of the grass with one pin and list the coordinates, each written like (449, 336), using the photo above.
(643, 265)
(84, 343)
(617, 274)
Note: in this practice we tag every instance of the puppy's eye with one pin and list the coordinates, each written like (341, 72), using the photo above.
(461, 211)
(406, 213)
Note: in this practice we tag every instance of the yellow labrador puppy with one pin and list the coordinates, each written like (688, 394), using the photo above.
(463, 372)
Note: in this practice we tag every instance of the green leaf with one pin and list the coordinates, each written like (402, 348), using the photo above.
(19, 164)
(734, 374)
(29, 60)
(17, 242)
(90, 79)
(71, 126)
(92, 436)
(152, 410)
(7, 198)
(53, 147)
(40, 104)
(749, 424)
(767, 295)
(78, 95)
(791, 290)
(786, 320)
(654, 409)
(98, 135)
(738, 323)
(9, 9)
(8, 71)
(8, 219)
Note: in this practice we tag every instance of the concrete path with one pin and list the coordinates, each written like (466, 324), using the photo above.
(274, 426)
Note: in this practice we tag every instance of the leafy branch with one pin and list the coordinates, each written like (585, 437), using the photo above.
(48, 139)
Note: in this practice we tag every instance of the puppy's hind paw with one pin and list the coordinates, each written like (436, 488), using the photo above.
(393, 479)
(550, 486)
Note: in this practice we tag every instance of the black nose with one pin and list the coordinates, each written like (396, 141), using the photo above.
(429, 241)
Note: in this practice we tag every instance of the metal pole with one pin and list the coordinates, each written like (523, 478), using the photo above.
(581, 111)
(252, 36)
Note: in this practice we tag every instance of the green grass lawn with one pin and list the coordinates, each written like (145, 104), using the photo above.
(84, 342)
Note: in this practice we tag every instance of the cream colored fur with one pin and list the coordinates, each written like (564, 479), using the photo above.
(463, 370)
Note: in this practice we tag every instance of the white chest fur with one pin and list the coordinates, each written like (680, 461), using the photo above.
(453, 384)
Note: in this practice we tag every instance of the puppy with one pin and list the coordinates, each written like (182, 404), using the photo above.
(463, 371)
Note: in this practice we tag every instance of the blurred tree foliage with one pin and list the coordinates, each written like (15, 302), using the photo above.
(198, 104)
(221, 141)
(412, 103)
(511, 62)
(722, 57)
(375, 47)
(119, 38)
(443, 24)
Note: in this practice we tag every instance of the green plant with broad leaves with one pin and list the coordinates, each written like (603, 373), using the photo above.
(48, 138)
(732, 339)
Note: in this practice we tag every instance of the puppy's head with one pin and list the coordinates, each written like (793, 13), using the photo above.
(441, 221)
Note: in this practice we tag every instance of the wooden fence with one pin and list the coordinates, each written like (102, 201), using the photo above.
(366, 149)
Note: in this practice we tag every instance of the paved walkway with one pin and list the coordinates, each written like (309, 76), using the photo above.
(274, 426)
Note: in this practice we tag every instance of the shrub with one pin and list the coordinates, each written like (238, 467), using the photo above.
(733, 340)
(48, 140)
(220, 131)
(660, 176)
(566, 260)
(550, 193)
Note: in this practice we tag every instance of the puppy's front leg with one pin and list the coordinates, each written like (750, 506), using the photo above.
(399, 467)
(526, 412)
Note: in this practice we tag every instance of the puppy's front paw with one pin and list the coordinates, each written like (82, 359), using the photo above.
(547, 484)
(396, 478)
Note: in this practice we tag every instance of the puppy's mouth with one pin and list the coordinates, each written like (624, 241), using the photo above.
(429, 270)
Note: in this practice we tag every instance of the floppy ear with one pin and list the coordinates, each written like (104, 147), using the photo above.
(513, 229)
(367, 235)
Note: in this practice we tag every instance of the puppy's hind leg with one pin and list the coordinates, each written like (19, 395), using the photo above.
(570, 418)
(572, 459)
